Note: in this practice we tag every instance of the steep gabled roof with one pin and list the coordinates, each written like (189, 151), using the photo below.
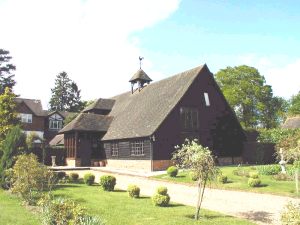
(141, 113)
(88, 122)
(101, 103)
(292, 122)
(34, 105)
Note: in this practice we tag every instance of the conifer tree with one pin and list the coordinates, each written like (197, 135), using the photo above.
(6, 69)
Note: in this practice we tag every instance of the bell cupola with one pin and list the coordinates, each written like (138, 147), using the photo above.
(140, 77)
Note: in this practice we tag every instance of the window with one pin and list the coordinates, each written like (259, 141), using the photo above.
(206, 98)
(137, 148)
(189, 118)
(25, 118)
(114, 149)
(55, 122)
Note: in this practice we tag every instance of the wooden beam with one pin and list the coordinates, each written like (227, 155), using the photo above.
(76, 144)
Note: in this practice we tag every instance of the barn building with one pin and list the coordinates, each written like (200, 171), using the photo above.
(139, 129)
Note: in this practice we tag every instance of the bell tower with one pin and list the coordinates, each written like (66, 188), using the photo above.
(140, 77)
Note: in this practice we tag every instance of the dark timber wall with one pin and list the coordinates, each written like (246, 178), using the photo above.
(125, 149)
(218, 127)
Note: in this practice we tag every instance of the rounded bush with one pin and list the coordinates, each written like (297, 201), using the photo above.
(161, 200)
(74, 177)
(60, 175)
(162, 190)
(89, 178)
(223, 179)
(193, 176)
(172, 171)
(254, 182)
(253, 175)
(107, 182)
(133, 191)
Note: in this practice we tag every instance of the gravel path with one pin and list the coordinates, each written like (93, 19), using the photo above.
(260, 208)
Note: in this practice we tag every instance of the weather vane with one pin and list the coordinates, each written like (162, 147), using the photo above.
(141, 58)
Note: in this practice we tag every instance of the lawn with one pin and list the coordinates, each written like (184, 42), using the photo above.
(13, 213)
(118, 209)
(269, 184)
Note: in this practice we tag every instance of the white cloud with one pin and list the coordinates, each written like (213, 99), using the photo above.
(87, 39)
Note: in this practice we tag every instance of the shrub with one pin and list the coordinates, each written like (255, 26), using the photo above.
(193, 176)
(254, 182)
(160, 200)
(90, 220)
(133, 191)
(161, 197)
(107, 182)
(73, 177)
(29, 177)
(291, 214)
(172, 171)
(162, 190)
(268, 169)
(240, 172)
(223, 179)
(60, 175)
(253, 175)
(282, 177)
(89, 178)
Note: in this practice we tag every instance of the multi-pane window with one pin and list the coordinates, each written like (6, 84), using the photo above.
(189, 118)
(137, 148)
(55, 122)
(25, 118)
(114, 149)
(206, 98)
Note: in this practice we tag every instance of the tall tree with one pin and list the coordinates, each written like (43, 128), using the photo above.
(8, 115)
(294, 108)
(6, 71)
(65, 95)
(252, 100)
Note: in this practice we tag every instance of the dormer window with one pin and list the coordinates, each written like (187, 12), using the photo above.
(206, 98)
(25, 118)
(55, 122)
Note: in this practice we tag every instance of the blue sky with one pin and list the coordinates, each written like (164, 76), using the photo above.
(98, 42)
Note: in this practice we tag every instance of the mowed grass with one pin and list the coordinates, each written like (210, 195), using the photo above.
(12, 212)
(269, 184)
(116, 208)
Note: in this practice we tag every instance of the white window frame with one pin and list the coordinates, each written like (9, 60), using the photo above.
(25, 117)
(206, 98)
(114, 149)
(55, 122)
(137, 148)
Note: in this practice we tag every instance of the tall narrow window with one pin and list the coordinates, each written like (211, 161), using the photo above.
(114, 149)
(137, 148)
(206, 98)
(189, 118)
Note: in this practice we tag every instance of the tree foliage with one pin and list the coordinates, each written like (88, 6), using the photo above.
(8, 114)
(65, 95)
(200, 161)
(6, 71)
(252, 100)
(294, 108)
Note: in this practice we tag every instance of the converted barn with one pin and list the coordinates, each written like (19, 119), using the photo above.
(139, 129)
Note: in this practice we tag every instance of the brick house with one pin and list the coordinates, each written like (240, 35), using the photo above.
(139, 129)
(44, 123)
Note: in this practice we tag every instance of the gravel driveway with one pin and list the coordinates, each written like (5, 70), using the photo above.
(260, 208)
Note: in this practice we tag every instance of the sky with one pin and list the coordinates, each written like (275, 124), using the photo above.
(98, 42)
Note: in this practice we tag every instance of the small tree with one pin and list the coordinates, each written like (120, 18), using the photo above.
(8, 114)
(200, 161)
(13, 144)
